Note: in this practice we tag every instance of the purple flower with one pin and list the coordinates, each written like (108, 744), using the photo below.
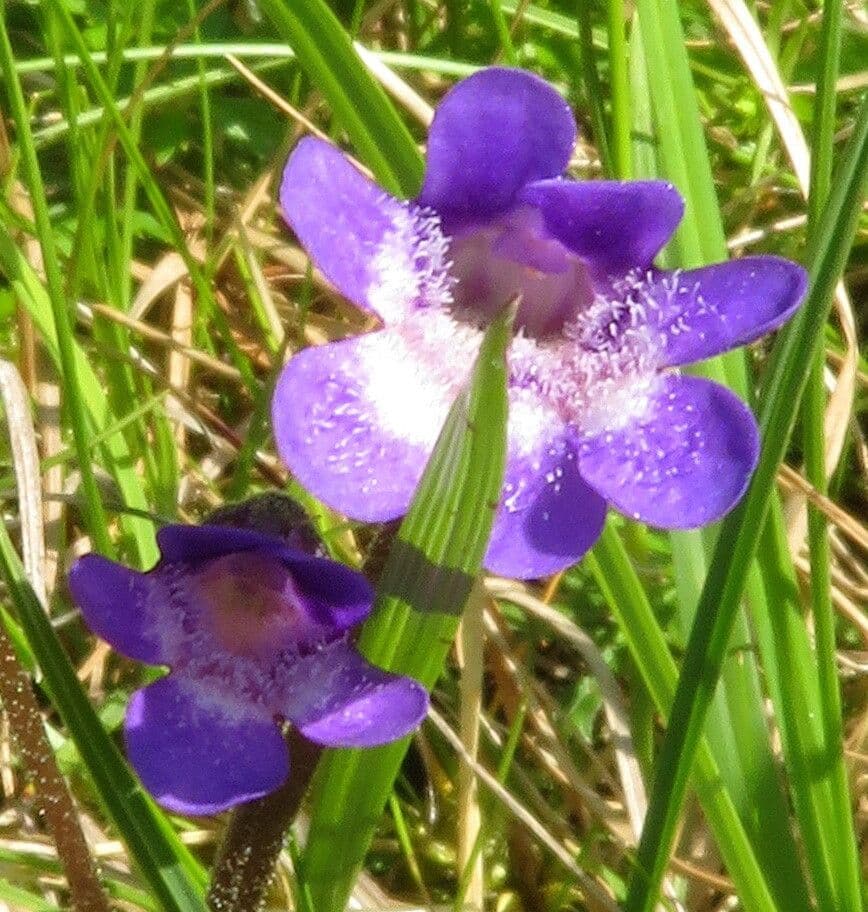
(255, 632)
(598, 413)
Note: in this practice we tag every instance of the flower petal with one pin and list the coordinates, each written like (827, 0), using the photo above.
(340, 700)
(195, 758)
(184, 544)
(115, 603)
(341, 218)
(685, 463)
(615, 226)
(548, 516)
(334, 596)
(355, 420)
(493, 133)
(704, 312)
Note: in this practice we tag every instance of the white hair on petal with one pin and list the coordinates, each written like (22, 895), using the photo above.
(411, 266)
(413, 371)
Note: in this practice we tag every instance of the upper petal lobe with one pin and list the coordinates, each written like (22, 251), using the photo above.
(116, 603)
(195, 757)
(707, 311)
(493, 133)
(684, 463)
(615, 226)
(341, 218)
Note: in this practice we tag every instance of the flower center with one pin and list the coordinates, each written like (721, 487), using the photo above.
(251, 605)
(516, 256)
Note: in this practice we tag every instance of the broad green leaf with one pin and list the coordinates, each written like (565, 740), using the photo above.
(428, 577)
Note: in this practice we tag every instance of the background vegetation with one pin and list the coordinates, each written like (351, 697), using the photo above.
(150, 293)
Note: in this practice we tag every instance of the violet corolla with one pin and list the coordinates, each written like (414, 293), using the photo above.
(255, 633)
(598, 412)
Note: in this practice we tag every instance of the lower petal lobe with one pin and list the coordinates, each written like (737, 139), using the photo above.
(197, 758)
(548, 515)
(705, 312)
(684, 463)
(356, 420)
(338, 699)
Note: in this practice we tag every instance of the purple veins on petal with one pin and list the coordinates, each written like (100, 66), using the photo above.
(250, 628)
(595, 415)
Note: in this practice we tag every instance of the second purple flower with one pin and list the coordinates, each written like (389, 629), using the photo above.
(598, 413)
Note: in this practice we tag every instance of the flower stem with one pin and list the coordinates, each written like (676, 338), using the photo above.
(245, 862)
(619, 85)
(16, 695)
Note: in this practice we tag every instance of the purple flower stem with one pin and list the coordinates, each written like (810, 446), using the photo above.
(244, 867)
(25, 720)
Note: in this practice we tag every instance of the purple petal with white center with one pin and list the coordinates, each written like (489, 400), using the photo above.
(614, 226)
(339, 699)
(684, 463)
(548, 516)
(360, 238)
(703, 312)
(115, 603)
(355, 420)
(493, 133)
(197, 757)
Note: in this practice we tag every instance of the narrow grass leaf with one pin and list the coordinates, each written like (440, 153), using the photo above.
(325, 51)
(739, 534)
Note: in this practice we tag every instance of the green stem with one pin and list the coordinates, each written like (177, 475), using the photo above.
(619, 85)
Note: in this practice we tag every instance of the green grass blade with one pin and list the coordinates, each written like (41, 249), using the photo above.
(324, 50)
(94, 514)
(614, 574)
(736, 731)
(426, 581)
(839, 838)
(33, 297)
(170, 870)
(739, 535)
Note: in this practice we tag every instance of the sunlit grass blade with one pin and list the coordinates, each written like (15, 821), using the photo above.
(32, 296)
(739, 535)
(429, 574)
(361, 107)
(611, 567)
(841, 840)
(172, 873)
(94, 514)
(736, 731)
